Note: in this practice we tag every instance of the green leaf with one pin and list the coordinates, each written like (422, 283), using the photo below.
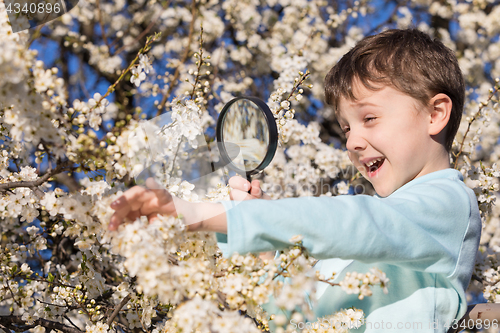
(51, 277)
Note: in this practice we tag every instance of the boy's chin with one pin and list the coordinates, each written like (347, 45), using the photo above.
(383, 191)
(382, 194)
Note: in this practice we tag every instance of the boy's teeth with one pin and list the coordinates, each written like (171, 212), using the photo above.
(369, 164)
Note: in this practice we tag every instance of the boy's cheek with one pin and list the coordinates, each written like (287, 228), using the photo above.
(353, 158)
(360, 167)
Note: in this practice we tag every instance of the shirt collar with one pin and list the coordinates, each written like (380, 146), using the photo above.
(445, 173)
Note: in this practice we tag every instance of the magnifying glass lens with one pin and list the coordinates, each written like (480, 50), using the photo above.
(245, 129)
(247, 135)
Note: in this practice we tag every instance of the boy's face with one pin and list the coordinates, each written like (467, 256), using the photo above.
(385, 126)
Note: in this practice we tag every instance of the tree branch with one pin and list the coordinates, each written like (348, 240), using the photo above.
(142, 34)
(101, 24)
(33, 183)
(9, 320)
(478, 113)
(117, 309)
(69, 320)
(183, 60)
(68, 181)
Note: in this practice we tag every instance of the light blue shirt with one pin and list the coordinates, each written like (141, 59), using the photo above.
(424, 236)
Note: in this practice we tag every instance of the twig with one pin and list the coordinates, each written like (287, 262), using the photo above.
(200, 63)
(183, 60)
(35, 35)
(123, 327)
(82, 306)
(142, 34)
(330, 283)
(299, 83)
(470, 123)
(301, 50)
(173, 259)
(477, 278)
(222, 299)
(216, 70)
(111, 89)
(117, 309)
(61, 306)
(67, 318)
(4, 328)
(99, 18)
(14, 296)
(8, 320)
(39, 193)
(175, 156)
(33, 183)
(139, 316)
(356, 176)
(282, 272)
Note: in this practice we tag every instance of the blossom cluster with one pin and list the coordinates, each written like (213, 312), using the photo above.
(358, 283)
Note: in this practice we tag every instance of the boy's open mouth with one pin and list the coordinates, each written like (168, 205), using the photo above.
(373, 166)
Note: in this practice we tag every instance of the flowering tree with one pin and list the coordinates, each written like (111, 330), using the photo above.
(74, 93)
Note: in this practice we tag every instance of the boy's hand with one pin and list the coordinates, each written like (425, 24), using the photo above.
(150, 202)
(239, 192)
(240, 187)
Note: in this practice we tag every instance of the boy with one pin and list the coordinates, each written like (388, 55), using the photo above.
(398, 97)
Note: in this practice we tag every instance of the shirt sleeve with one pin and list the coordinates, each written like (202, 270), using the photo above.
(422, 227)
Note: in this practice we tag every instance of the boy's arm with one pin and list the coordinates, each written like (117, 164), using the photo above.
(213, 217)
(153, 200)
(422, 228)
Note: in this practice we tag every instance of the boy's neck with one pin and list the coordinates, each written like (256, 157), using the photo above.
(439, 159)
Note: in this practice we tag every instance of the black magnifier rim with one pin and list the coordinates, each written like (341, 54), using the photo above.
(273, 135)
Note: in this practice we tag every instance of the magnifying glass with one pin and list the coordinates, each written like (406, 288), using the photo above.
(247, 136)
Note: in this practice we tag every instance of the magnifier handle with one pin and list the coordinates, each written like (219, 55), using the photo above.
(249, 178)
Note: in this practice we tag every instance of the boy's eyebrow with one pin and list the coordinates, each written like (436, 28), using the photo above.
(341, 120)
(361, 104)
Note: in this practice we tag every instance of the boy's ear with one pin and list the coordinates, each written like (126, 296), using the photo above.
(440, 105)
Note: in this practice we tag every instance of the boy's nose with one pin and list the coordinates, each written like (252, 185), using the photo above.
(355, 142)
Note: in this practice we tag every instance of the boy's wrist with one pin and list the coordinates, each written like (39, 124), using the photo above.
(202, 216)
(213, 217)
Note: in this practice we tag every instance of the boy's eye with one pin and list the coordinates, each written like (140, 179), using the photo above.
(369, 119)
(345, 130)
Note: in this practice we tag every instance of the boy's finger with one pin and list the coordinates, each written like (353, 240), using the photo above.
(155, 206)
(239, 183)
(132, 216)
(152, 217)
(256, 191)
(238, 195)
(234, 179)
(114, 222)
(124, 200)
(130, 201)
(152, 184)
(161, 193)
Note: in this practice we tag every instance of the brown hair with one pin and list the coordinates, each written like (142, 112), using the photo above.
(408, 60)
